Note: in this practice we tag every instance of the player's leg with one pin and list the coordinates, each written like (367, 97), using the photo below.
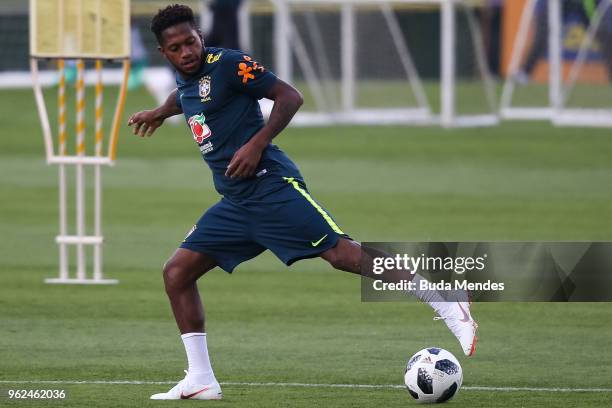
(181, 273)
(345, 256)
(218, 239)
(294, 226)
(349, 256)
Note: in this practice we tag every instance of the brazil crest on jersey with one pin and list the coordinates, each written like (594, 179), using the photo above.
(221, 109)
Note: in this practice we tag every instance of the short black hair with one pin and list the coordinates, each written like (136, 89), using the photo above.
(171, 15)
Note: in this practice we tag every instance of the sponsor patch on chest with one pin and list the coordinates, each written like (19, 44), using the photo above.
(199, 128)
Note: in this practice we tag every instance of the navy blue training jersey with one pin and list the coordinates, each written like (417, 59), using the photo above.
(221, 108)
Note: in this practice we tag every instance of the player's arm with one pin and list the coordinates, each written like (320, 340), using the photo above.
(147, 121)
(287, 101)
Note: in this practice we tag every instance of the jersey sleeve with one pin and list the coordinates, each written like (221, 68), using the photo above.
(246, 75)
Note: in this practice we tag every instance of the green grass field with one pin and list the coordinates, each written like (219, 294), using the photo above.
(304, 324)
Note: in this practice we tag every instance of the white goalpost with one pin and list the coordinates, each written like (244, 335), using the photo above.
(75, 31)
(335, 76)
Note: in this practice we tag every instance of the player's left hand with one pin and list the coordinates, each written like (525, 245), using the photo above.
(245, 161)
(145, 122)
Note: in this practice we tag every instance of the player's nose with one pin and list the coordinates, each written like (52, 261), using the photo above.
(186, 53)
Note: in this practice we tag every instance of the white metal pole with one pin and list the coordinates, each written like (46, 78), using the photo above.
(282, 39)
(244, 26)
(42, 109)
(322, 62)
(483, 66)
(63, 253)
(448, 63)
(80, 177)
(348, 56)
(206, 18)
(404, 54)
(97, 272)
(554, 53)
(309, 72)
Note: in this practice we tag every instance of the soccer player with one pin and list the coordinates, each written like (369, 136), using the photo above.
(265, 203)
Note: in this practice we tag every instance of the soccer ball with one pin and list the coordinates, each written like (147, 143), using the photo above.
(433, 375)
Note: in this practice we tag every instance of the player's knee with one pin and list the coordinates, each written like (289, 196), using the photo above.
(343, 260)
(174, 276)
(338, 262)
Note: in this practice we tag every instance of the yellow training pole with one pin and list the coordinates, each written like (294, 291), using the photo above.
(61, 103)
(80, 179)
(80, 108)
(99, 135)
(112, 148)
(97, 263)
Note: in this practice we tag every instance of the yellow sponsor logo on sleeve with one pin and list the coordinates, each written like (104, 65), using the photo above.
(213, 58)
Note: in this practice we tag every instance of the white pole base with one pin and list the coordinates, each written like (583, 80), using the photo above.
(527, 113)
(75, 281)
(484, 120)
(87, 160)
(77, 239)
(417, 116)
(584, 117)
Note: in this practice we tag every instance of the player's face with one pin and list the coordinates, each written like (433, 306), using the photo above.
(182, 47)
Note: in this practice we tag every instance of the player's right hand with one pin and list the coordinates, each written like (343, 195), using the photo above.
(145, 122)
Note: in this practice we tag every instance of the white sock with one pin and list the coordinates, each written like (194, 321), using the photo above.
(432, 297)
(200, 370)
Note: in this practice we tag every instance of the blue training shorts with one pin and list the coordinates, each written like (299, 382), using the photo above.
(288, 222)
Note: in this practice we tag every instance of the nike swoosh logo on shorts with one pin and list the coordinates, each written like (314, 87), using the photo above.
(466, 318)
(194, 394)
(316, 243)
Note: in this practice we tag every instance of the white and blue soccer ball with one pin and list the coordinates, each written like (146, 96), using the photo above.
(433, 375)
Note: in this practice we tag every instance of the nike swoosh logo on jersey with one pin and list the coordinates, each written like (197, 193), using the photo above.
(466, 317)
(194, 394)
(316, 243)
